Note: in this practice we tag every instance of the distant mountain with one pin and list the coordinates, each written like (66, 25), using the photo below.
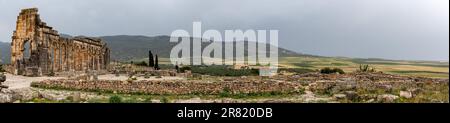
(5, 52)
(65, 35)
(128, 47)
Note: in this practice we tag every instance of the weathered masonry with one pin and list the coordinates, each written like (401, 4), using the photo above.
(37, 49)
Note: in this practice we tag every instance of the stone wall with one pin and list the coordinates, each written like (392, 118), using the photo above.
(170, 87)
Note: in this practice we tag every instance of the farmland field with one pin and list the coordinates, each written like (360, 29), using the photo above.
(432, 69)
(415, 68)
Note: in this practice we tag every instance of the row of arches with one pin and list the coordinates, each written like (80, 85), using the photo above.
(74, 55)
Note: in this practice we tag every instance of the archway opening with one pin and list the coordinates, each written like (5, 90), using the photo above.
(26, 49)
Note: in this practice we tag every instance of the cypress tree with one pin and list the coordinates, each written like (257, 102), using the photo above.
(156, 62)
(177, 68)
(151, 62)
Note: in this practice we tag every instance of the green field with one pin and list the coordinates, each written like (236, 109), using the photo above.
(401, 67)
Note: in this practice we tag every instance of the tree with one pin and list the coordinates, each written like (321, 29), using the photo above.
(151, 62)
(156, 62)
(366, 68)
(1, 68)
(177, 68)
(328, 70)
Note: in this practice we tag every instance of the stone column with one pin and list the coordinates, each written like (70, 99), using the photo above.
(54, 67)
(86, 60)
(64, 58)
(58, 58)
(98, 62)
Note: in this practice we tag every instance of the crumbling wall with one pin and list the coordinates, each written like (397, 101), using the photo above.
(171, 87)
(48, 52)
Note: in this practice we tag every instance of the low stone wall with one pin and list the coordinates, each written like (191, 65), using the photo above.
(170, 87)
(367, 89)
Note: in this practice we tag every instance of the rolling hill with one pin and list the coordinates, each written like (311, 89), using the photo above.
(5, 51)
(127, 47)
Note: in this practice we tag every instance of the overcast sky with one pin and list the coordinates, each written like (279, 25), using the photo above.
(392, 29)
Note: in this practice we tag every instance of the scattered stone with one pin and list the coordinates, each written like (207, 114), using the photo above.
(26, 94)
(7, 96)
(370, 101)
(366, 88)
(351, 95)
(2, 78)
(387, 98)
(406, 94)
(385, 87)
(339, 96)
(415, 91)
(76, 97)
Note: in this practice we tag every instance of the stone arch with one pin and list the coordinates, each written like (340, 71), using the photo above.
(26, 49)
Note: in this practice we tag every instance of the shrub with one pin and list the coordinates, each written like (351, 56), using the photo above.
(366, 68)
(328, 70)
(301, 91)
(226, 92)
(183, 69)
(1, 68)
(218, 70)
(338, 70)
(131, 100)
(164, 100)
(115, 99)
(142, 63)
(148, 100)
(69, 98)
(296, 70)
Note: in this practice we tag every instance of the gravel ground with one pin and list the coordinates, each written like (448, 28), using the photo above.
(18, 82)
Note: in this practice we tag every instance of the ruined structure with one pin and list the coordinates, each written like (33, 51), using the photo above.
(37, 49)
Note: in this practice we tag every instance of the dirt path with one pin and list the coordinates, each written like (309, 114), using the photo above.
(18, 82)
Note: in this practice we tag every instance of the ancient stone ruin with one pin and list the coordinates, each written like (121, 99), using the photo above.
(2, 79)
(37, 49)
(177, 87)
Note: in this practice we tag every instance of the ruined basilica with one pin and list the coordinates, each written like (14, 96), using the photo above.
(37, 49)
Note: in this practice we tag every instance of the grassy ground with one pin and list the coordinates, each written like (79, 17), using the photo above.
(142, 98)
(413, 68)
